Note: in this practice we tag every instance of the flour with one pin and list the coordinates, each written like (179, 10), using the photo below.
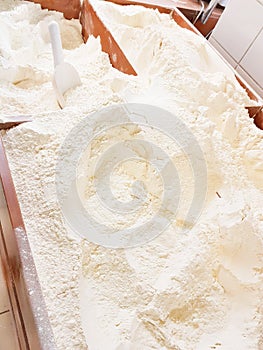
(195, 291)
(179, 292)
(32, 148)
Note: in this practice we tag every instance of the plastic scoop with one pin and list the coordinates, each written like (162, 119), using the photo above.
(65, 75)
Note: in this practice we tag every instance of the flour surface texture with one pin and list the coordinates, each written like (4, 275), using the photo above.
(196, 291)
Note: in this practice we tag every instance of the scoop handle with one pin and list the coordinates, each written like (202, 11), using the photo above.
(56, 43)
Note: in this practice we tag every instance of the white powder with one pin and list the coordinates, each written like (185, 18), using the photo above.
(197, 291)
(32, 147)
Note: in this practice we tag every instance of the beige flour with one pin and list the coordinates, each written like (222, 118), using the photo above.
(192, 292)
(32, 147)
(196, 292)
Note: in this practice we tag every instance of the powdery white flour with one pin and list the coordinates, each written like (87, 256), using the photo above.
(32, 148)
(192, 292)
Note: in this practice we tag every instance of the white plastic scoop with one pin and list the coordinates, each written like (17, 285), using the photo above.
(65, 75)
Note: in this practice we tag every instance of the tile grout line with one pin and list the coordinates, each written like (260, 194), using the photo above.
(244, 54)
(4, 312)
(224, 50)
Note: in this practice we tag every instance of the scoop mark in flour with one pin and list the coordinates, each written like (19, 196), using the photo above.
(118, 175)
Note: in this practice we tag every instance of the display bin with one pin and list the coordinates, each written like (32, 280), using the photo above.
(28, 307)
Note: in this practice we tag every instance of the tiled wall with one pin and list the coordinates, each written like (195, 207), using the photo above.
(238, 36)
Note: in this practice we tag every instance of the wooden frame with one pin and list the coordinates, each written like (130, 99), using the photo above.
(28, 308)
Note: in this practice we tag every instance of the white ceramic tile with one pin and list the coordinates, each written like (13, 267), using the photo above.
(8, 339)
(238, 26)
(4, 299)
(220, 49)
(253, 60)
(250, 81)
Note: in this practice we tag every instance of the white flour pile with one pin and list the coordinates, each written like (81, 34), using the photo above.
(32, 148)
(198, 291)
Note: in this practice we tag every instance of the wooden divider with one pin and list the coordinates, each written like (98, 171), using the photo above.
(70, 8)
(92, 25)
(29, 312)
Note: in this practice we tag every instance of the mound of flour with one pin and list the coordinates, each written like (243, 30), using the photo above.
(197, 291)
(26, 68)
